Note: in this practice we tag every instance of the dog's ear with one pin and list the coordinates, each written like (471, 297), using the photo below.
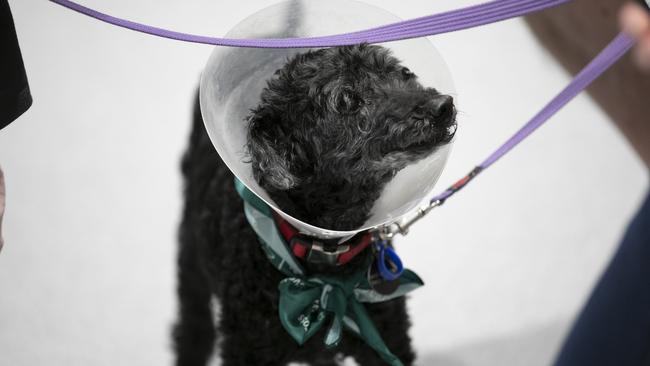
(269, 150)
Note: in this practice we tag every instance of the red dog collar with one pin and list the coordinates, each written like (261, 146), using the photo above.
(316, 250)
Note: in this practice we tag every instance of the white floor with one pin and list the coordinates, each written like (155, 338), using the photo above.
(87, 273)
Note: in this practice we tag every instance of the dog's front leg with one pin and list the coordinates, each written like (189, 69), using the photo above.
(194, 333)
(249, 328)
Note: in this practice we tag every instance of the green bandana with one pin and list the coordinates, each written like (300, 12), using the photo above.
(307, 303)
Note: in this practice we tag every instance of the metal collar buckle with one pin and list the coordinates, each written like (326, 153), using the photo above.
(319, 251)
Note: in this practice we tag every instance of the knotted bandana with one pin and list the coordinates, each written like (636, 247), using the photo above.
(309, 303)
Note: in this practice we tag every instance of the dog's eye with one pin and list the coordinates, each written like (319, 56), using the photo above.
(406, 73)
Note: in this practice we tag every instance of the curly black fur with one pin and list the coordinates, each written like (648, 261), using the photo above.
(333, 127)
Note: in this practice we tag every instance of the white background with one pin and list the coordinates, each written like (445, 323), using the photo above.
(87, 275)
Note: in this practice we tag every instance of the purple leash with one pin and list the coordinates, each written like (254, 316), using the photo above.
(450, 21)
(607, 57)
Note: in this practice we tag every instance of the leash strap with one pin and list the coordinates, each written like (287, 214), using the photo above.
(612, 53)
(445, 22)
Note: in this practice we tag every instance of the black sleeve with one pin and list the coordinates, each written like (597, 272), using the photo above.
(15, 97)
(614, 327)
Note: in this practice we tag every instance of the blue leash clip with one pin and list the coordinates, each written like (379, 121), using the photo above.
(389, 263)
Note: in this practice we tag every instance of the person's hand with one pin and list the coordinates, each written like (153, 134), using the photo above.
(636, 21)
(2, 204)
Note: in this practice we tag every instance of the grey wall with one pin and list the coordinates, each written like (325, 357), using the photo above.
(87, 272)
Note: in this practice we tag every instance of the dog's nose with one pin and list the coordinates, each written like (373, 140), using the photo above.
(441, 107)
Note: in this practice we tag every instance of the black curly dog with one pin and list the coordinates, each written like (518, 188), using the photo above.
(333, 127)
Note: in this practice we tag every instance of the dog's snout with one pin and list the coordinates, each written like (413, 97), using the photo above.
(441, 107)
(439, 110)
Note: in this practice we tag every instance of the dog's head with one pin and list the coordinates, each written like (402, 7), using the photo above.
(335, 125)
